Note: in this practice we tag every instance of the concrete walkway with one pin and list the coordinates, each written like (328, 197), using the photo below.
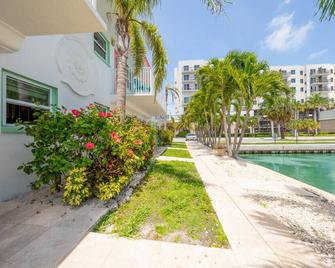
(257, 238)
(100, 250)
(37, 230)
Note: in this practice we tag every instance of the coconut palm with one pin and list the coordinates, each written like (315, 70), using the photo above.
(316, 102)
(327, 9)
(133, 36)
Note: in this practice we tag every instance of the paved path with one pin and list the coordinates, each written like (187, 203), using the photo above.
(37, 230)
(101, 250)
(170, 158)
(257, 238)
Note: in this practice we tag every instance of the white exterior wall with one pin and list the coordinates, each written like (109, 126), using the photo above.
(303, 90)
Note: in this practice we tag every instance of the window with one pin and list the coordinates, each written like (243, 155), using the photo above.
(186, 77)
(301, 72)
(332, 79)
(332, 99)
(301, 89)
(312, 71)
(301, 81)
(196, 86)
(186, 100)
(21, 96)
(331, 71)
(292, 80)
(292, 71)
(186, 86)
(302, 100)
(186, 68)
(196, 67)
(101, 47)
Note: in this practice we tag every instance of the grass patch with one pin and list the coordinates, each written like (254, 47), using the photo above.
(177, 153)
(179, 145)
(170, 205)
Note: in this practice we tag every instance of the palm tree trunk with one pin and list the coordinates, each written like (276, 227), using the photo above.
(316, 120)
(278, 130)
(244, 126)
(272, 129)
(121, 83)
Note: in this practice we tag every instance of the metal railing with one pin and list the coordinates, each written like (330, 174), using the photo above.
(142, 85)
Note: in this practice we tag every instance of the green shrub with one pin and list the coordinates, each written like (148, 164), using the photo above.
(182, 134)
(165, 137)
(91, 149)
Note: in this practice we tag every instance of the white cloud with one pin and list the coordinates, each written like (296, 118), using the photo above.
(286, 2)
(317, 55)
(285, 35)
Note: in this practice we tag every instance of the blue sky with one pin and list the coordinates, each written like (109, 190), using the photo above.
(280, 31)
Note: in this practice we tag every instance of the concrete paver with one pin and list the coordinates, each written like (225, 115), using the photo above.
(257, 238)
(100, 250)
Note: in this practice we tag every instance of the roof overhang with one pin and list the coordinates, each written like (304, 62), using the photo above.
(21, 18)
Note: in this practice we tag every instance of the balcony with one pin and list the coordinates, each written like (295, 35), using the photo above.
(22, 18)
(141, 94)
(319, 72)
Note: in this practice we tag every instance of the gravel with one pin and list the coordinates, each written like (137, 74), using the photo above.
(310, 218)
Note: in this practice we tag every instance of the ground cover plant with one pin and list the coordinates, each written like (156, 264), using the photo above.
(170, 205)
(177, 153)
(179, 145)
(87, 152)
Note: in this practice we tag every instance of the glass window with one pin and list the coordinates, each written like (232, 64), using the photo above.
(196, 67)
(301, 89)
(186, 100)
(186, 86)
(292, 71)
(101, 47)
(186, 68)
(301, 72)
(302, 100)
(196, 86)
(186, 77)
(292, 80)
(22, 97)
(301, 81)
(312, 71)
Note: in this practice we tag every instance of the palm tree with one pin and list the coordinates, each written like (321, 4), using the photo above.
(327, 9)
(316, 102)
(133, 35)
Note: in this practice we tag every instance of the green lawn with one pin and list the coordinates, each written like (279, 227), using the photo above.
(170, 205)
(179, 145)
(177, 153)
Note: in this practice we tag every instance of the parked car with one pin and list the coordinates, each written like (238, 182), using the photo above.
(191, 137)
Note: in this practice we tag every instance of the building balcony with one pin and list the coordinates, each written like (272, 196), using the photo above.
(19, 19)
(141, 97)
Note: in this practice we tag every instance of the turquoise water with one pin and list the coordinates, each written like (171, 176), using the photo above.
(317, 170)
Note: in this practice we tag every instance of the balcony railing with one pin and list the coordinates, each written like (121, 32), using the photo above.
(142, 85)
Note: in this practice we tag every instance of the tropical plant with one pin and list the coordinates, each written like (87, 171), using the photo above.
(94, 152)
(133, 36)
(228, 89)
(316, 102)
(327, 9)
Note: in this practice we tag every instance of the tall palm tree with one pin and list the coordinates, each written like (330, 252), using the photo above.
(327, 9)
(133, 36)
(316, 102)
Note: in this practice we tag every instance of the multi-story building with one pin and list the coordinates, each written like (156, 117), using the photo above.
(185, 80)
(59, 52)
(308, 79)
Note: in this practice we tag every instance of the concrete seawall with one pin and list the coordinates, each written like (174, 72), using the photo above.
(287, 148)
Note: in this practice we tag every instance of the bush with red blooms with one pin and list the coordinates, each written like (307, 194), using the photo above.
(87, 152)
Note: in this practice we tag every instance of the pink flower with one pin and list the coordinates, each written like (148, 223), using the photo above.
(131, 153)
(138, 142)
(75, 113)
(102, 114)
(116, 137)
(89, 146)
(82, 109)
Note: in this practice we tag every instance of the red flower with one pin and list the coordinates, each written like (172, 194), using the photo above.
(75, 113)
(116, 137)
(131, 153)
(109, 114)
(89, 145)
(102, 114)
(138, 142)
(82, 109)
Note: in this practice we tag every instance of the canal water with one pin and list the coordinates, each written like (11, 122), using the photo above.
(317, 170)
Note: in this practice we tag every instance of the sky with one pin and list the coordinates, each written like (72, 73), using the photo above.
(282, 32)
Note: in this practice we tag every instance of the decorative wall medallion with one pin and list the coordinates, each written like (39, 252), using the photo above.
(76, 66)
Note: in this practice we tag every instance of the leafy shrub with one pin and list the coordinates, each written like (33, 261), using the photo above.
(182, 134)
(165, 137)
(93, 151)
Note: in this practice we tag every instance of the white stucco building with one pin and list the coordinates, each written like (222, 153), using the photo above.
(308, 79)
(58, 52)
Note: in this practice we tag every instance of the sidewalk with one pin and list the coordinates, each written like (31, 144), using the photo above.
(257, 238)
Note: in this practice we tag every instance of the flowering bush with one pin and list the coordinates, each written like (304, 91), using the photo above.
(165, 137)
(87, 152)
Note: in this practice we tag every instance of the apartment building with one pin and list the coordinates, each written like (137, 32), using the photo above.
(59, 52)
(185, 80)
(306, 80)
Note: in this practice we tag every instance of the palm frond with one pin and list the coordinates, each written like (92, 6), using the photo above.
(327, 9)
(216, 6)
(159, 55)
(137, 47)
